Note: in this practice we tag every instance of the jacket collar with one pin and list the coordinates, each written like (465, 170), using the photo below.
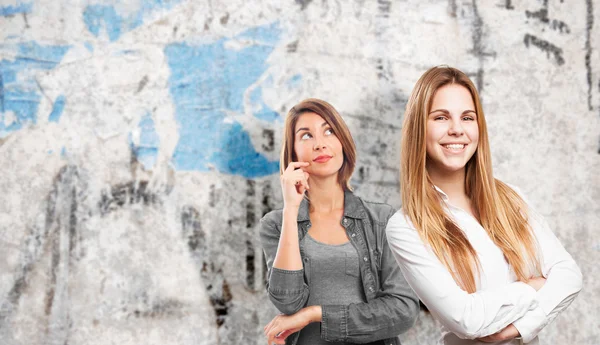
(353, 207)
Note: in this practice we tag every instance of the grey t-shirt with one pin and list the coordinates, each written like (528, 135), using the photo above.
(334, 280)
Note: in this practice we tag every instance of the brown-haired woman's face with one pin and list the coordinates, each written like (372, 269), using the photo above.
(316, 143)
(452, 129)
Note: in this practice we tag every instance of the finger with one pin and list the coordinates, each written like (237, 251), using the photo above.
(269, 326)
(304, 184)
(295, 177)
(305, 179)
(302, 187)
(270, 339)
(271, 336)
(283, 335)
(301, 184)
(296, 165)
(273, 331)
(298, 174)
(279, 341)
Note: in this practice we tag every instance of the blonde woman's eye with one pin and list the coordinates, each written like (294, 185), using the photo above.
(329, 131)
(305, 136)
(438, 118)
(469, 118)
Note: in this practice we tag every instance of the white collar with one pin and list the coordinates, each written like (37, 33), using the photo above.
(444, 195)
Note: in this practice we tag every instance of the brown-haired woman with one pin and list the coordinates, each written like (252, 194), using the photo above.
(483, 262)
(331, 272)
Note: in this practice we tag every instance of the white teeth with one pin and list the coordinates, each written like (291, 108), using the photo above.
(455, 146)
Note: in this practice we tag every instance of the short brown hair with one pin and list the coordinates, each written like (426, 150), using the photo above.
(340, 129)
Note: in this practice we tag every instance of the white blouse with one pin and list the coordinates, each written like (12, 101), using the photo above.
(500, 299)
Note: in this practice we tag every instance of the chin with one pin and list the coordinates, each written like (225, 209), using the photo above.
(322, 173)
(452, 168)
(325, 171)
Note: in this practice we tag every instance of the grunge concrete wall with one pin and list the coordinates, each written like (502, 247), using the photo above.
(139, 146)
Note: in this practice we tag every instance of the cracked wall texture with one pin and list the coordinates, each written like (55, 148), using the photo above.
(139, 143)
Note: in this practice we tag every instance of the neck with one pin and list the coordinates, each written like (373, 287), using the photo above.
(325, 194)
(452, 183)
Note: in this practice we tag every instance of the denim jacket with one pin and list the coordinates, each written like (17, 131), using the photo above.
(391, 307)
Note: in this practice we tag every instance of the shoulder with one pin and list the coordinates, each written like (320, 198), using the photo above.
(402, 234)
(271, 221)
(377, 211)
(400, 220)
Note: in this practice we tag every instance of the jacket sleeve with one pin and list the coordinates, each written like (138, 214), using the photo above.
(392, 312)
(468, 315)
(287, 289)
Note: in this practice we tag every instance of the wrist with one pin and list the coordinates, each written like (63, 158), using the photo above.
(314, 313)
(291, 211)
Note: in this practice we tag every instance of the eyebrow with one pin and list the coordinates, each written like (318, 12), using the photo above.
(447, 112)
(306, 128)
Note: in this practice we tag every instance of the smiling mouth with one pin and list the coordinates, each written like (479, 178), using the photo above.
(455, 146)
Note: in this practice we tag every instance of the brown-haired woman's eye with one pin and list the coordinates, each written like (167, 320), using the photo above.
(306, 136)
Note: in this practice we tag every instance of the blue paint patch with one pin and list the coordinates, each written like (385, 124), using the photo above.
(1, 93)
(295, 81)
(265, 34)
(20, 97)
(101, 16)
(264, 113)
(57, 109)
(238, 157)
(89, 46)
(8, 76)
(63, 152)
(21, 106)
(146, 151)
(6, 11)
(97, 16)
(209, 81)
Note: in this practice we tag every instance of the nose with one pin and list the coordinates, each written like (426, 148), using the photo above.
(456, 128)
(319, 144)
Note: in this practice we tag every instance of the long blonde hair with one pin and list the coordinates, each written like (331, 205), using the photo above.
(499, 209)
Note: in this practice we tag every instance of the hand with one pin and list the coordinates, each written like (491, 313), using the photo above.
(294, 182)
(283, 325)
(507, 333)
(537, 282)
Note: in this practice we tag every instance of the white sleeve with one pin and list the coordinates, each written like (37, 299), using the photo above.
(469, 316)
(563, 281)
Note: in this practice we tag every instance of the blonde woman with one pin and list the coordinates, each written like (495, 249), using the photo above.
(330, 270)
(484, 263)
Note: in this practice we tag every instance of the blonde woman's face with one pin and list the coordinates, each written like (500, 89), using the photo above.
(452, 130)
(316, 143)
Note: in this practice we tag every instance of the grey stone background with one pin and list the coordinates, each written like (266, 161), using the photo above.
(139, 144)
